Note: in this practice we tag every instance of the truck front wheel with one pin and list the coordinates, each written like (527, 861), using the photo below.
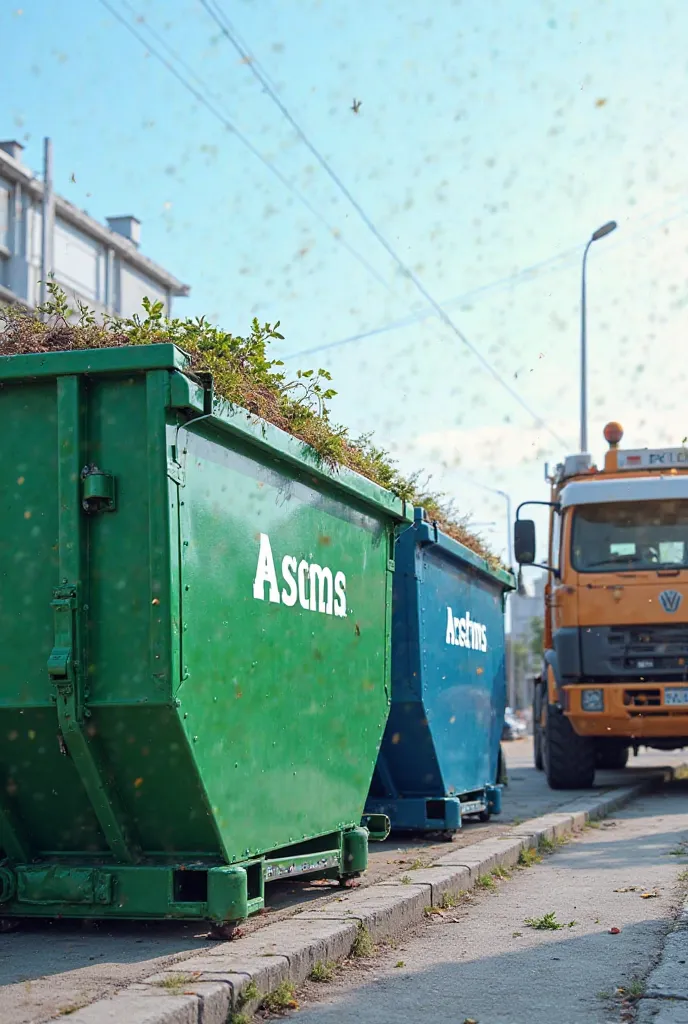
(537, 726)
(613, 756)
(569, 758)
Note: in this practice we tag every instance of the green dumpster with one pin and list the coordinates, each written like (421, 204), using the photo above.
(194, 644)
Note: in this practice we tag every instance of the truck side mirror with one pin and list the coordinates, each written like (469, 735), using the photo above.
(524, 541)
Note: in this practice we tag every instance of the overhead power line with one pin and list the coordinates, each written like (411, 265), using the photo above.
(563, 259)
(220, 20)
(200, 94)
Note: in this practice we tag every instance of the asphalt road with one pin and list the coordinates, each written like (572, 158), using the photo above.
(482, 961)
(48, 967)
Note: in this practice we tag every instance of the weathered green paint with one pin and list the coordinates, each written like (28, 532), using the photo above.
(155, 714)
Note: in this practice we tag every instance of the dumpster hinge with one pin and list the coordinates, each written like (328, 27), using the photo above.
(65, 671)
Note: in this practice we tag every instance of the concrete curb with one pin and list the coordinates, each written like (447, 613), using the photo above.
(209, 987)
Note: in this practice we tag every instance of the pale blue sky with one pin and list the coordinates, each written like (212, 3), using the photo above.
(482, 147)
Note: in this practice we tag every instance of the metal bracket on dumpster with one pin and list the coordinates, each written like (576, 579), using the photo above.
(65, 672)
(61, 667)
(97, 490)
(378, 826)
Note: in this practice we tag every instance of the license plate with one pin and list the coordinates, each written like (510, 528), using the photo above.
(676, 695)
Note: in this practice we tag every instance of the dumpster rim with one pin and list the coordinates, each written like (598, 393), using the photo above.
(429, 535)
(95, 361)
(229, 417)
(234, 419)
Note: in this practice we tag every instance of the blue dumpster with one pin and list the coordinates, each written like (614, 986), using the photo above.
(439, 759)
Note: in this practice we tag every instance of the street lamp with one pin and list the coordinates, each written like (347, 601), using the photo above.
(606, 229)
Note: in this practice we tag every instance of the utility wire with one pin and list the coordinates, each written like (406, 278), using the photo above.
(218, 17)
(199, 94)
(563, 258)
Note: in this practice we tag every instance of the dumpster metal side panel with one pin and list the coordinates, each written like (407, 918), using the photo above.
(89, 751)
(464, 687)
(284, 686)
(448, 681)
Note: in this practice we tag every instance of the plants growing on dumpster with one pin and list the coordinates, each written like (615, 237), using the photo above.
(244, 374)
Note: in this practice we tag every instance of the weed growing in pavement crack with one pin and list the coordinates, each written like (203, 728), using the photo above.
(417, 864)
(281, 998)
(363, 944)
(485, 882)
(176, 983)
(636, 989)
(548, 922)
(528, 857)
(500, 872)
(323, 971)
(249, 993)
(239, 1018)
(405, 880)
(683, 876)
(546, 845)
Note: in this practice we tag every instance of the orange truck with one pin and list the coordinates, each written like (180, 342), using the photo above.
(615, 660)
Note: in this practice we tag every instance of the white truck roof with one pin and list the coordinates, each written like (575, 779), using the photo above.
(658, 487)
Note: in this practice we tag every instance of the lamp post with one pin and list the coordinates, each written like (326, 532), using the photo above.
(606, 229)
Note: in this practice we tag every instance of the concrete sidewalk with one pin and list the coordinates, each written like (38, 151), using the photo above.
(209, 987)
(50, 968)
(603, 905)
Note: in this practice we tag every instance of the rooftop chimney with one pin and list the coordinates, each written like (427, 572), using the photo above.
(13, 149)
(128, 227)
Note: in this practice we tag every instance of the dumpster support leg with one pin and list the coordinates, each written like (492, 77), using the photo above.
(65, 664)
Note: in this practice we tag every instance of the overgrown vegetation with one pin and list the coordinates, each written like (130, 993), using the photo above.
(243, 374)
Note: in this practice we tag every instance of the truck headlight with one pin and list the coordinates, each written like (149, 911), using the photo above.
(592, 700)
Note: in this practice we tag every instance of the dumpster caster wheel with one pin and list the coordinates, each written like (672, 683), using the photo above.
(225, 932)
(447, 836)
(349, 883)
(485, 815)
(9, 924)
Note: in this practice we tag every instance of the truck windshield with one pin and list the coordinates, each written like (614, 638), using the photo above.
(630, 535)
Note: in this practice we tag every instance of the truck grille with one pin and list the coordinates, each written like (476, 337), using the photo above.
(647, 650)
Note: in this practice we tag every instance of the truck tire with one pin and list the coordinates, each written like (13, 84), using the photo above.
(612, 756)
(537, 728)
(502, 777)
(569, 758)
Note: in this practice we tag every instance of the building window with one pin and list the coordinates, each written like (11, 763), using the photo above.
(5, 192)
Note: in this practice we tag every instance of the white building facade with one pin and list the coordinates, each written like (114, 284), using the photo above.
(100, 266)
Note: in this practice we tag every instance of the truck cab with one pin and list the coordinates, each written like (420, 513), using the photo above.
(615, 659)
